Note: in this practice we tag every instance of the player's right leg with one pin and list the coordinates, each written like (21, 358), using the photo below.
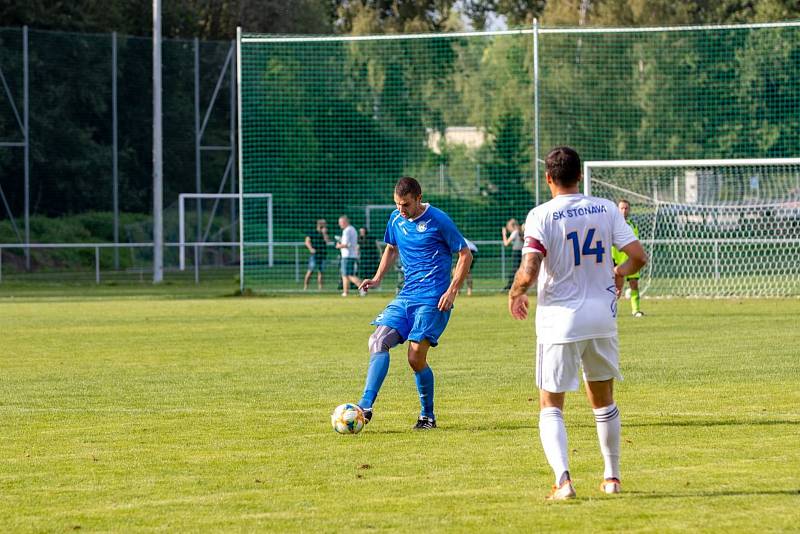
(391, 330)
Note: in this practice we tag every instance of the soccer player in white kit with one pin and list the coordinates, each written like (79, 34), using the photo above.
(569, 238)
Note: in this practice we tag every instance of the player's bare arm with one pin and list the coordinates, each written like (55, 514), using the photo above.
(310, 248)
(526, 276)
(459, 275)
(387, 260)
(628, 267)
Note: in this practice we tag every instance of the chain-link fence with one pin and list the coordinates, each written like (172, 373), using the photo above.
(330, 124)
(76, 151)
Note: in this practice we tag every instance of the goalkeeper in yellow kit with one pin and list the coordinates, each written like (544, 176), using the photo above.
(620, 257)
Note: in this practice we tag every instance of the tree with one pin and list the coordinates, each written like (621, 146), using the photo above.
(516, 12)
(206, 19)
(394, 16)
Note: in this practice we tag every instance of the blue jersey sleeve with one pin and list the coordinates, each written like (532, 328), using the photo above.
(453, 238)
(388, 236)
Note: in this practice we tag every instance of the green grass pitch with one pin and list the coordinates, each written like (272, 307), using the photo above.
(152, 413)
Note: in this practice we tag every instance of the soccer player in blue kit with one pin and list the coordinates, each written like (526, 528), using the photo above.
(425, 238)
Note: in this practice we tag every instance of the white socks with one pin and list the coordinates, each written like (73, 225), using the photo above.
(608, 432)
(553, 434)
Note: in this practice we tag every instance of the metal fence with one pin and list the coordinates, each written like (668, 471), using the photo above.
(76, 132)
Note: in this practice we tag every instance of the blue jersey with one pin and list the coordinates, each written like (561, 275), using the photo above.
(426, 245)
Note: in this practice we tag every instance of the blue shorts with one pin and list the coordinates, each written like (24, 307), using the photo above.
(315, 264)
(414, 321)
(349, 267)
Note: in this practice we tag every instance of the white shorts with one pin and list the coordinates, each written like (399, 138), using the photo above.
(557, 364)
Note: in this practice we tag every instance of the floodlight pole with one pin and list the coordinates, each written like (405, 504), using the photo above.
(197, 162)
(158, 152)
(27, 128)
(114, 148)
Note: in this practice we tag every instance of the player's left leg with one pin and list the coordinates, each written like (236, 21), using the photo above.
(557, 371)
(600, 363)
(553, 434)
(423, 376)
(429, 323)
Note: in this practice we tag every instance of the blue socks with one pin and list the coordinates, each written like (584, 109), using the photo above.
(424, 381)
(376, 373)
(378, 367)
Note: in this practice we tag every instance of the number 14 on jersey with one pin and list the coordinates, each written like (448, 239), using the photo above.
(587, 249)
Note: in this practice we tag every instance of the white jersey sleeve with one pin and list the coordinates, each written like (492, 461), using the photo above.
(534, 240)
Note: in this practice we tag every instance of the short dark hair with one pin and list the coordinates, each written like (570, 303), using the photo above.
(407, 185)
(563, 165)
(625, 200)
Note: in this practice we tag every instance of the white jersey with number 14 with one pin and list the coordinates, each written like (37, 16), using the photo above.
(576, 295)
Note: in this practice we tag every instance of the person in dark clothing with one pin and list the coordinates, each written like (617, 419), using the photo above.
(317, 244)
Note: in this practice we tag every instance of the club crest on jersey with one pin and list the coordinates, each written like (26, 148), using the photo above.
(421, 227)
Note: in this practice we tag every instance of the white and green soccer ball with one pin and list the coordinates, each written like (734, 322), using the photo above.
(348, 419)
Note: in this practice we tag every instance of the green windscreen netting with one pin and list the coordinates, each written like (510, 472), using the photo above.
(329, 124)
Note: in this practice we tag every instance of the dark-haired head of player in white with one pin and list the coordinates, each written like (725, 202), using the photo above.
(425, 238)
(569, 240)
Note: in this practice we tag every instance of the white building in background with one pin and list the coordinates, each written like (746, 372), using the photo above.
(470, 136)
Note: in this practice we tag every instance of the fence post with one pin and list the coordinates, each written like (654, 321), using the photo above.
(96, 265)
(716, 260)
(1, 265)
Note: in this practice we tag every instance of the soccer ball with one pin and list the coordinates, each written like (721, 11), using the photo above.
(348, 419)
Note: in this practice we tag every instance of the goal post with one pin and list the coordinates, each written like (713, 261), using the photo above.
(712, 227)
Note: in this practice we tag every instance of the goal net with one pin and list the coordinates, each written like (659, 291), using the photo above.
(712, 228)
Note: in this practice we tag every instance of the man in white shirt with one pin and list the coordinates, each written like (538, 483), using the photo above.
(348, 246)
(570, 239)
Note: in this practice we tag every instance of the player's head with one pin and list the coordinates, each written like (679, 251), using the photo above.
(408, 197)
(321, 224)
(512, 225)
(344, 222)
(563, 167)
(624, 207)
